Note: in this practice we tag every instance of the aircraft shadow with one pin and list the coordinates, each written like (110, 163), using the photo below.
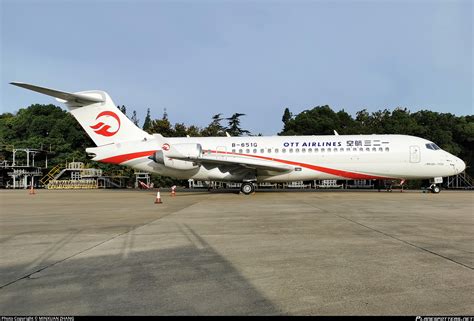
(182, 280)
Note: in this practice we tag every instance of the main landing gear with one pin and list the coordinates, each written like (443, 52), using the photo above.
(247, 188)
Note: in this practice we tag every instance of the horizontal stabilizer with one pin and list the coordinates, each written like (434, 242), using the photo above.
(68, 97)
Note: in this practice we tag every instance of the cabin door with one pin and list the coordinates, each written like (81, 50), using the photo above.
(415, 154)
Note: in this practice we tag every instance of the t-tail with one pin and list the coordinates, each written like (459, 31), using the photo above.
(97, 114)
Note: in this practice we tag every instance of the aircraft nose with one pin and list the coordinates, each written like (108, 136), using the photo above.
(460, 165)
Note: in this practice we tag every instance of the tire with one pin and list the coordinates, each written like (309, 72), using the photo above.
(247, 188)
(435, 189)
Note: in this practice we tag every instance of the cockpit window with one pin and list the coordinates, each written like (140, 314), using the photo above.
(432, 146)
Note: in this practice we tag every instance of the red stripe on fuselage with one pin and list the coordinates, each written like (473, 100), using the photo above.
(327, 170)
(126, 157)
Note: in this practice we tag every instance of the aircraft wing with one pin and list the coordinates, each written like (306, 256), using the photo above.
(243, 162)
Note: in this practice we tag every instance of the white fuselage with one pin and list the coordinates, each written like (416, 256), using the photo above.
(250, 159)
(310, 157)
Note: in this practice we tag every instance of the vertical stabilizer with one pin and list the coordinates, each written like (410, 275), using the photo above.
(97, 114)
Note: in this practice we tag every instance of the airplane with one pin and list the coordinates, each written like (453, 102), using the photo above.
(249, 160)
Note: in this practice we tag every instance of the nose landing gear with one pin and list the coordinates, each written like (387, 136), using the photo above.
(434, 189)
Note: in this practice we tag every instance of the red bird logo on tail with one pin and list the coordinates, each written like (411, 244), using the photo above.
(102, 128)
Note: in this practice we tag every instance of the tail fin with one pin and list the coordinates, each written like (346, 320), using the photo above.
(97, 114)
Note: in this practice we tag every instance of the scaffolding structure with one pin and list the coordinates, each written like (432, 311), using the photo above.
(142, 180)
(22, 177)
(75, 175)
(327, 183)
(460, 181)
(17, 174)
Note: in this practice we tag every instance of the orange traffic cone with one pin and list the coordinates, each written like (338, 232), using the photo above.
(158, 198)
(173, 190)
(32, 190)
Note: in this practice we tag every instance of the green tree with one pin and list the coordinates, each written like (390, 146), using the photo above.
(43, 126)
(321, 120)
(180, 130)
(123, 109)
(134, 118)
(161, 126)
(214, 128)
(286, 116)
(234, 128)
(194, 131)
(147, 122)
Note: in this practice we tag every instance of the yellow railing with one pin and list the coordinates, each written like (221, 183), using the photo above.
(73, 184)
(52, 173)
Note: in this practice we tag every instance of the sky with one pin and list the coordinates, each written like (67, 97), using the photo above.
(200, 58)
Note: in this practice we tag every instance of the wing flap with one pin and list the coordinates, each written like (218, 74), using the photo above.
(241, 162)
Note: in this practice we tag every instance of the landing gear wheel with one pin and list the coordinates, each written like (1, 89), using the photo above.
(247, 188)
(435, 189)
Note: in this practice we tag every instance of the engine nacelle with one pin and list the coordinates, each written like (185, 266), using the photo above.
(191, 151)
(167, 157)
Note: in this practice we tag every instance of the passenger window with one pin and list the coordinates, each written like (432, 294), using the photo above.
(322, 150)
(303, 150)
(367, 149)
(316, 150)
(283, 150)
(241, 151)
(310, 150)
(276, 150)
(335, 149)
(262, 151)
(233, 151)
(380, 149)
(291, 150)
(255, 151)
(247, 151)
(361, 149)
(387, 149)
(269, 150)
(297, 150)
(348, 149)
(374, 149)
